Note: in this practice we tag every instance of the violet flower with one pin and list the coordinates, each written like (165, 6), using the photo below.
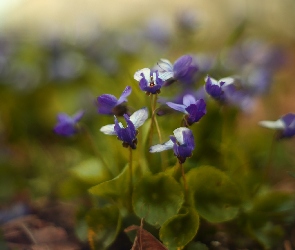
(285, 125)
(109, 104)
(67, 125)
(150, 81)
(127, 135)
(216, 89)
(194, 109)
(182, 70)
(182, 143)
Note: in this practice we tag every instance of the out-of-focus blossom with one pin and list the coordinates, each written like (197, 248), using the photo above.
(285, 125)
(150, 81)
(67, 125)
(182, 143)
(257, 81)
(216, 89)
(182, 70)
(194, 109)
(109, 104)
(187, 20)
(158, 32)
(127, 135)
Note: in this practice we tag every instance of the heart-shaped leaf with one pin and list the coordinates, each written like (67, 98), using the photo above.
(157, 198)
(180, 229)
(214, 194)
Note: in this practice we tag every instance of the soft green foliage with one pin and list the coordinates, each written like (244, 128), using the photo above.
(157, 198)
(105, 222)
(91, 171)
(180, 229)
(215, 195)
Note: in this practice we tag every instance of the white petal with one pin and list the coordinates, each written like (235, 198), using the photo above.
(272, 124)
(226, 80)
(161, 147)
(165, 65)
(146, 72)
(165, 75)
(108, 129)
(139, 117)
(178, 134)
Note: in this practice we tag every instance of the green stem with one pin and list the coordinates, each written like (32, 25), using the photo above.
(94, 147)
(153, 107)
(130, 177)
(267, 171)
(179, 168)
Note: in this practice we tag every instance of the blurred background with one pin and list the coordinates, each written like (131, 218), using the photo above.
(59, 55)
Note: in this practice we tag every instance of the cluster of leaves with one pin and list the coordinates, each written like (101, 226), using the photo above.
(226, 181)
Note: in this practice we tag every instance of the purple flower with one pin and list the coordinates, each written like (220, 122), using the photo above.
(150, 81)
(182, 70)
(216, 89)
(182, 143)
(67, 125)
(109, 104)
(285, 125)
(127, 135)
(194, 109)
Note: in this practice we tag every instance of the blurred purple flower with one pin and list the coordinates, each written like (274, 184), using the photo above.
(183, 69)
(194, 109)
(182, 143)
(285, 125)
(150, 81)
(127, 135)
(67, 125)
(109, 104)
(216, 89)
(187, 20)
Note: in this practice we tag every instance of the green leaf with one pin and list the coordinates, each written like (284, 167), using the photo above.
(91, 171)
(215, 195)
(180, 229)
(115, 188)
(156, 198)
(269, 234)
(106, 224)
(277, 206)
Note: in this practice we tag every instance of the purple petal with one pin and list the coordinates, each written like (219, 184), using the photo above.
(106, 103)
(196, 111)
(188, 139)
(77, 117)
(123, 97)
(181, 65)
(62, 117)
(188, 100)
(178, 107)
(289, 121)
